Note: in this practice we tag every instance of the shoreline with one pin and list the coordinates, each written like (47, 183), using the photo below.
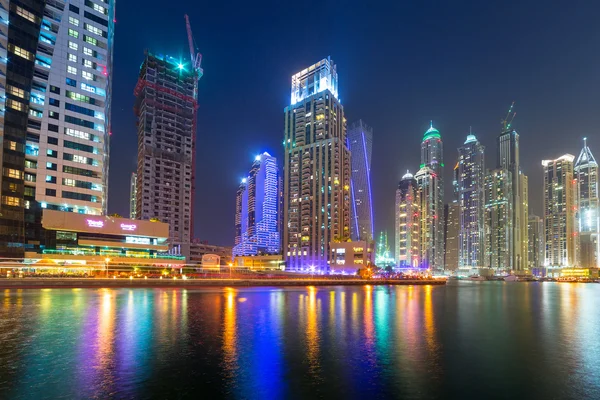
(72, 283)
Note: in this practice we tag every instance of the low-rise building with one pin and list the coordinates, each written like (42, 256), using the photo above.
(263, 262)
(349, 257)
(194, 252)
(101, 243)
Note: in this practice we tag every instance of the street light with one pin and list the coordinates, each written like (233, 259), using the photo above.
(106, 261)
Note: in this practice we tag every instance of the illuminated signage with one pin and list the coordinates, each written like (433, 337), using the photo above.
(128, 227)
(92, 223)
(138, 240)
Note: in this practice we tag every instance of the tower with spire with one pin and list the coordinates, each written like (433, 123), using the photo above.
(588, 207)
(430, 180)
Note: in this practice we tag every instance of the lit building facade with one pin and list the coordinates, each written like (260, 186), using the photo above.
(348, 257)
(55, 91)
(508, 158)
(132, 195)
(360, 141)
(588, 205)
(560, 218)
(536, 242)
(316, 192)
(498, 220)
(408, 223)
(471, 174)
(165, 108)
(451, 235)
(431, 183)
(257, 202)
(383, 256)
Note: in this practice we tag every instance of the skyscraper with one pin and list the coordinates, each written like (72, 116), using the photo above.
(509, 159)
(498, 220)
(536, 242)
(471, 174)
(165, 108)
(560, 222)
(431, 182)
(408, 223)
(257, 202)
(588, 207)
(451, 231)
(132, 195)
(360, 140)
(317, 169)
(55, 90)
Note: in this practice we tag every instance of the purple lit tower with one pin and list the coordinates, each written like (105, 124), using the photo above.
(360, 141)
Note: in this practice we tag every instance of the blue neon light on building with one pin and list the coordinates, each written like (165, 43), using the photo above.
(360, 141)
(257, 207)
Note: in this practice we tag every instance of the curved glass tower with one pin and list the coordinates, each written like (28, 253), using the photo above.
(360, 142)
(586, 173)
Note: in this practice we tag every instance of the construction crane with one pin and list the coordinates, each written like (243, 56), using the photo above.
(195, 58)
(510, 116)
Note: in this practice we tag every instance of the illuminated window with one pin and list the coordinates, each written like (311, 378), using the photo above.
(25, 14)
(73, 33)
(87, 75)
(91, 40)
(77, 134)
(15, 91)
(74, 21)
(15, 105)
(100, 9)
(87, 63)
(73, 45)
(72, 70)
(72, 57)
(93, 29)
(12, 145)
(20, 52)
(80, 159)
(87, 51)
(13, 173)
(11, 201)
(68, 182)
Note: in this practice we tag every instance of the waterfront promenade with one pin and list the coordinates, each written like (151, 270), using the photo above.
(41, 283)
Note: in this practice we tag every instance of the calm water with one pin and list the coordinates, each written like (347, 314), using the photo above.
(466, 340)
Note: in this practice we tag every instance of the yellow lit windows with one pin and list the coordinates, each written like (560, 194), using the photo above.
(25, 14)
(15, 91)
(73, 21)
(20, 52)
(68, 182)
(73, 33)
(13, 173)
(12, 145)
(11, 201)
(15, 105)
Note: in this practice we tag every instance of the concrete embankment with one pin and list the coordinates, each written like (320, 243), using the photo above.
(41, 283)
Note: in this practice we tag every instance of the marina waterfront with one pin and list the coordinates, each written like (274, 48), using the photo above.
(461, 340)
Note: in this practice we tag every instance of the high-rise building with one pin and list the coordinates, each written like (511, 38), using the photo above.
(588, 207)
(498, 220)
(560, 219)
(316, 191)
(408, 223)
(451, 230)
(431, 182)
(132, 195)
(471, 174)
(55, 91)
(256, 216)
(165, 108)
(360, 140)
(508, 158)
(536, 242)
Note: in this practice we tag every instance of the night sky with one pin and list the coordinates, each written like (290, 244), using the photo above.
(460, 63)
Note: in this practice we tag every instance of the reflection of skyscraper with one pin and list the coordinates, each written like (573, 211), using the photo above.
(360, 140)
(257, 202)
(560, 221)
(132, 195)
(408, 223)
(431, 182)
(498, 220)
(509, 159)
(536, 242)
(451, 229)
(586, 172)
(316, 191)
(471, 175)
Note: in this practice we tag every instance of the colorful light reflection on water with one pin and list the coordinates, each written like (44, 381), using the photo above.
(468, 340)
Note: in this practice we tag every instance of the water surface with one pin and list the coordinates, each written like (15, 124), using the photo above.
(466, 340)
